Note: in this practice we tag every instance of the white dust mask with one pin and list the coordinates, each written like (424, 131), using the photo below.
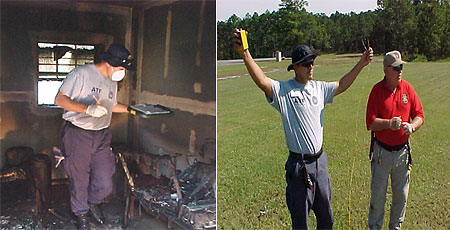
(118, 75)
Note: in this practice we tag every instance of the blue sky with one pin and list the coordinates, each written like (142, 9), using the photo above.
(226, 8)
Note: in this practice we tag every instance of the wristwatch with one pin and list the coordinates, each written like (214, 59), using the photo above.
(413, 128)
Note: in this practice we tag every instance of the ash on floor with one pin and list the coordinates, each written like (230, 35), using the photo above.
(18, 211)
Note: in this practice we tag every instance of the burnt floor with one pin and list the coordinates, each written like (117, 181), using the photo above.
(18, 211)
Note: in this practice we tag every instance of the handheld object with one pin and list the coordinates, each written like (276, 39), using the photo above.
(397, 122)
(96, 100)
(58, 156)
(244, 44)
(364, 41)
(146, 110)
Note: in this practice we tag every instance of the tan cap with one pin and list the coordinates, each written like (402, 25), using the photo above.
(393, 58)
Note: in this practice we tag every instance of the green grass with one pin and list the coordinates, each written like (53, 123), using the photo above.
(251, 148)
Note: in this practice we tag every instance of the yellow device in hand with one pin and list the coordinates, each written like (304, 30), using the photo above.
(244, 44)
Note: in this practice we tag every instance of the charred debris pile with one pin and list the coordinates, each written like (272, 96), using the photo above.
(185, 199)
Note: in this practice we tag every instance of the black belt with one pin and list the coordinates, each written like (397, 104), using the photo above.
(391, 148)
(306, 157)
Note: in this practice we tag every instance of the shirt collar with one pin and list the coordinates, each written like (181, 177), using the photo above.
(301, 85)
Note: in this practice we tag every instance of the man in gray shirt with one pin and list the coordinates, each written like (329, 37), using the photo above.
(88, 97)
(301, 101)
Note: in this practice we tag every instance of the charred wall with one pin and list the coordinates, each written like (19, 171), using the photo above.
(173, 43)
(176, 43)
(23, 24)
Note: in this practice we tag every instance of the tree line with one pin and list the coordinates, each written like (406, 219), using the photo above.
(417, 28)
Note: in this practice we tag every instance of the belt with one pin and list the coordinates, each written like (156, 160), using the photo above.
(306, 157)
(391, 148)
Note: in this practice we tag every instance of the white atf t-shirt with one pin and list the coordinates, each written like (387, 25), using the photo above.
(80, 85)
(301, 109)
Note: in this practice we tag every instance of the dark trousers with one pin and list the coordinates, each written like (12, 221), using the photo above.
(301, 199)
(89, 163)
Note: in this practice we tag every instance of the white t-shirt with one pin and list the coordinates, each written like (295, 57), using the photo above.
(301, 108)
(80, 85)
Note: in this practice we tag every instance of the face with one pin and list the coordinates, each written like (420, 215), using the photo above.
(304, 70)
(393, 74)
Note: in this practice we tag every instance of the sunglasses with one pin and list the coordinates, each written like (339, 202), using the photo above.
(307, 64)
(398, 68)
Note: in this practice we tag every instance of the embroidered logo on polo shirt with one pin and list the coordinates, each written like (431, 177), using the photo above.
(405, 98)
(314, 100)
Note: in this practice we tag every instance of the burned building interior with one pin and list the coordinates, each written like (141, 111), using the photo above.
(165, 164)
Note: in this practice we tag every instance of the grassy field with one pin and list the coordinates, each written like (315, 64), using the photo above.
(251, 148)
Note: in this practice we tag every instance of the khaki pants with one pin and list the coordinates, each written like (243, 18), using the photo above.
(395, 164)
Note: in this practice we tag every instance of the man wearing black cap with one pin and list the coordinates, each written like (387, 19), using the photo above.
(301, 101)
(88, 97)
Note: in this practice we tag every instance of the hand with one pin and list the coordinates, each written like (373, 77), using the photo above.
(237, 41)
(395, 122)
(367, 56)
(407, 128)
(96, 110)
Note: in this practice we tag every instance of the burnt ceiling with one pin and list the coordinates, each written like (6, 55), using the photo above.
(120, 3)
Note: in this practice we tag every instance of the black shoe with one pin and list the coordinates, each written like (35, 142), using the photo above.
(83, 222)
(96, 213)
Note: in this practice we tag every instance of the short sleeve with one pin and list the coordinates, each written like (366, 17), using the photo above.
(72, 85)
(371, 111)
(275, 95)
(329, 88)
(416, 109)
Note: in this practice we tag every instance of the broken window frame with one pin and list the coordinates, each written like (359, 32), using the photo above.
(57, 75)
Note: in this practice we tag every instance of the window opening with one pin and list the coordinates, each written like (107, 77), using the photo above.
(55, 61)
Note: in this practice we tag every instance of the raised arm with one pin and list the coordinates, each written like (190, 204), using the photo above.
(347, 80)
(258, 76)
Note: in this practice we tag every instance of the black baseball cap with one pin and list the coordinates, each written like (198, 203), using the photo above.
(302, 53)
(118, 55)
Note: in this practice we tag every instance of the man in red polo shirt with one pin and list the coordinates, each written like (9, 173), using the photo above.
(394, 112)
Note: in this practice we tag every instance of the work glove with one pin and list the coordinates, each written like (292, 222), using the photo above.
(395, 122)
(96, 110)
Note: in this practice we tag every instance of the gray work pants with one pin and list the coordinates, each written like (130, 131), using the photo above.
(395, 164)
(300, 199)
(90, 165)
